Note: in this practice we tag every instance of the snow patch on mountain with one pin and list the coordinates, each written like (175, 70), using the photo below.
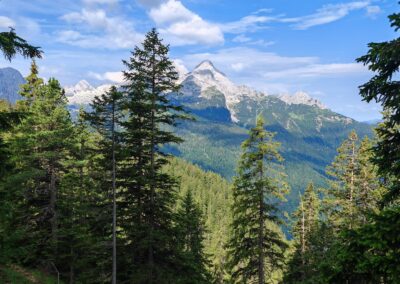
(195, 84)
(302, 98)
(84, 93)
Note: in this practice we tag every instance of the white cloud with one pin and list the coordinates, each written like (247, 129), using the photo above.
(6, 22)
(241, 38)
(372, 11)
(237, 66)
(98, 30)
(250, 23)
(115, 77)
(327, 14)
(318, 70)
(180, 26)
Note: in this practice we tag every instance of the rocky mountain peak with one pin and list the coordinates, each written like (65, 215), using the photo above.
(302, 98)
(206, 65)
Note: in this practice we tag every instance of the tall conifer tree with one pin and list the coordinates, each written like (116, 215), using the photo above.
(258, 187)
(105, 118)
(149, 194)
(40, 146)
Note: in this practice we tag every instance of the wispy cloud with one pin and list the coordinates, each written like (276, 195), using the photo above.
(318, 70)
(327, 14)
(249, 23)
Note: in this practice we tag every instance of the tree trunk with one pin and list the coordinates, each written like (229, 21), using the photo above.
(261, 275)
(303, 239)
(114, 229)
(152, 185)
(53, 201)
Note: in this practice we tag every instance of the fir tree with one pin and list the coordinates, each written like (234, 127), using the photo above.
(254, 245)
(149, 194)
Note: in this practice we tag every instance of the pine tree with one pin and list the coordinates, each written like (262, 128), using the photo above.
(11, 44)
(191, 230)
(254, 245)
(149, 194)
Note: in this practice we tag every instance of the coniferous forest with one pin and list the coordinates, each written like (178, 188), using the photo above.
(97, 198)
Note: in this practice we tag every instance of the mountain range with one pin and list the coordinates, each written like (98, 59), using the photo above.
(308, 131)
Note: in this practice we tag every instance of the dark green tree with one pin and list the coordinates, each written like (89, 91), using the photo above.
(105, 119)
(149, 195)
(11, 44)
(191, 230)
(384, 88)
(40, 146)
(259, 185)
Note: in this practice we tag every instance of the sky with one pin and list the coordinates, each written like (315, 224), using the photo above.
(275, 46)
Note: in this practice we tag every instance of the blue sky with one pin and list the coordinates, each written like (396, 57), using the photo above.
(276, 46)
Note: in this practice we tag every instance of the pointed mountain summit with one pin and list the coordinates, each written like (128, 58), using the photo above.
(207, 65)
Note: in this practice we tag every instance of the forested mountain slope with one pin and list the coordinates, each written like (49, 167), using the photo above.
(309, 132)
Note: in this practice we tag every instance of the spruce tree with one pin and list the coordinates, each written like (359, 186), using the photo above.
(149, 194)
(258, 187)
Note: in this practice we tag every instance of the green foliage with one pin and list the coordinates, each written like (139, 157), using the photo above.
(382, 58)
(148, 194)
(213, 195)
(11, 44)
(191, 234)
(39, 147)
(255, 247)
